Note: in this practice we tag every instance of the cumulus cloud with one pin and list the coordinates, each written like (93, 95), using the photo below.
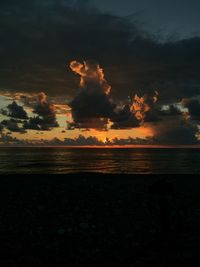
(46, 112)
(16, 111)
(92, 76)
(171, 110)
(45, 118)
(44, 108)
(124, 119)
(33, 124)
(81, 140)
(193, 106)
(142, 105)
(92, 107)
(7, 140)
(94, 141)
(12, 125)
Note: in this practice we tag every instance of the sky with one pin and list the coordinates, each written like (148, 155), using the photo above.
(172, 18)
(99, 72)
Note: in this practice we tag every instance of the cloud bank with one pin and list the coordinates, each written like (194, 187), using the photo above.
(38, 38)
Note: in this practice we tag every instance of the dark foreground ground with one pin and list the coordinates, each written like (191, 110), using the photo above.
(99, 220)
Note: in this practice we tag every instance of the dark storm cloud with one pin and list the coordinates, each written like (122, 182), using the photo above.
(193, 106)
(16, 111)
(174, 130)
(46, 112)
(33, 124)
(12, 125)
(92, 107)
(38, 38)
(124, 119)
(44, 108)
(159, 115)
(91, 111)
(153, 116)
(37, 123)
(183, 135)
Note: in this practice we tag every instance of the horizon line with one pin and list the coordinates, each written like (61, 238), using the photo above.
(101, 147)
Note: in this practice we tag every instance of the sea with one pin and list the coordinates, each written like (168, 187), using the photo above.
(63, 160)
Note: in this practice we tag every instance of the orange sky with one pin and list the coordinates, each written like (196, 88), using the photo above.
(141, 132)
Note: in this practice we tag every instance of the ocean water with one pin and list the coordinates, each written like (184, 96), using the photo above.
(105, 160)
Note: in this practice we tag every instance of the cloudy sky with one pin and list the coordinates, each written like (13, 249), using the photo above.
(172, 18)
(83, 72)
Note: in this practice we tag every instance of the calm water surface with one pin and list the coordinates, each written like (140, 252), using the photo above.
(105, 160)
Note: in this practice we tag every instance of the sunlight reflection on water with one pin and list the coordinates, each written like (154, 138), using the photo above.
(67, 160)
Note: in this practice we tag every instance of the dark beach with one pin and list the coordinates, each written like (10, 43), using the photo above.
(100, 220)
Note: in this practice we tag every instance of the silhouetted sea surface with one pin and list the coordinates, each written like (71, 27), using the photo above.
(104, 160)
